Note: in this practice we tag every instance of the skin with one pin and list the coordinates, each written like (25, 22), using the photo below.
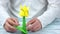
(34, 25)
(10, 23)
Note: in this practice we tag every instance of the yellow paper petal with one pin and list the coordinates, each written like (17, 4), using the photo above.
(23, 11)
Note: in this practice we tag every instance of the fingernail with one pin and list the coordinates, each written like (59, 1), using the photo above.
(30, 26)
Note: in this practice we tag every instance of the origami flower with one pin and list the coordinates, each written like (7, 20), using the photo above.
(23, 11)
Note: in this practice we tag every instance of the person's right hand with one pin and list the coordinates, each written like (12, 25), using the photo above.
(10, 23)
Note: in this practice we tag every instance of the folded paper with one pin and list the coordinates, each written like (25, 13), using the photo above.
(23, 11)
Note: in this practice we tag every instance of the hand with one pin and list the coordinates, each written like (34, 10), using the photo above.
(10, 23)
(34, 25)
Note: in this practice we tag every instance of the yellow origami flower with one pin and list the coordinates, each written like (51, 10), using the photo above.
(23, 11)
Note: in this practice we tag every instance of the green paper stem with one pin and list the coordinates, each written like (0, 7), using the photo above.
(24, 25)
(23, 28)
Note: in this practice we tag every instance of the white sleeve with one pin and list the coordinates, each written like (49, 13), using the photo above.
(51, 13)
(3, 12)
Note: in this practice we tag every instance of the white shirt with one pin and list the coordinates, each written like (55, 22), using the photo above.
(45, 10)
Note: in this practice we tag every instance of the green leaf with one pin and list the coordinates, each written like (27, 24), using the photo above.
(20, 29)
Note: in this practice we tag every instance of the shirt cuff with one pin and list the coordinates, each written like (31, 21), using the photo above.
(45, 21)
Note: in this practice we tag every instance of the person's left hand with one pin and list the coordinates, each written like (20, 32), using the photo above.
(34, 25)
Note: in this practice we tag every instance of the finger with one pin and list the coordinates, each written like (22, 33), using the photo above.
(15, 20)
(11, 22)
(6, 28)
(31, 22)
(36, 28)
(29, 27)
(11, 28)
(34, 24)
